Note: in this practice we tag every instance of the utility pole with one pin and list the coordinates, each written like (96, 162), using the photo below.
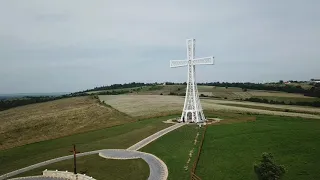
(74, 159)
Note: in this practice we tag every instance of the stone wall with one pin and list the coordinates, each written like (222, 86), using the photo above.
(66, 175)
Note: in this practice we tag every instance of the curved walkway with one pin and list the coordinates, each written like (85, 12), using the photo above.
(152, 160)
(158, 169)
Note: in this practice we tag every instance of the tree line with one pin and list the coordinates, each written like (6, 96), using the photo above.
(119, 86)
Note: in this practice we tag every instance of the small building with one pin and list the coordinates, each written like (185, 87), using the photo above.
(315, 80)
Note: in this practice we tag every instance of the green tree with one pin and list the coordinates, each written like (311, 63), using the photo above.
(267, 169)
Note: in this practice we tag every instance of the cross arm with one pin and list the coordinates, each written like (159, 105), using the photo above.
(178, 63)
(205, 60)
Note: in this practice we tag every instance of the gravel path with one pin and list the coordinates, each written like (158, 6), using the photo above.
(131, 152)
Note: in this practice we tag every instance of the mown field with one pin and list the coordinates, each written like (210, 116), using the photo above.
(54, 119)
(121, 136)
(230, 150)
(160, 105)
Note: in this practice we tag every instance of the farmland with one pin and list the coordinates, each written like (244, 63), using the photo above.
(230, 93)
(159, 105)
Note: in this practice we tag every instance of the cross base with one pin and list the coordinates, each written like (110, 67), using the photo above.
(192, 117)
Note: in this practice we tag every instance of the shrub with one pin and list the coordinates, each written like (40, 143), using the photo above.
(267, 169)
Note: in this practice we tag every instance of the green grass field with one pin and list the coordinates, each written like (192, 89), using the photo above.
(100, 168)
(174, 149)
(121, 136)
(230, 150)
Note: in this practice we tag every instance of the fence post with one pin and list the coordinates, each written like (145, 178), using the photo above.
(193, 176)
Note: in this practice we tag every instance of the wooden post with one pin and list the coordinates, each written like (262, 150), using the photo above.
(74, 159)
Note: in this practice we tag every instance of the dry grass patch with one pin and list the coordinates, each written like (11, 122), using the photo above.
(145, 105)
(49, 120)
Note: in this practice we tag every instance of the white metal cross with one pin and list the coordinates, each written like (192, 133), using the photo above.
(192, 110)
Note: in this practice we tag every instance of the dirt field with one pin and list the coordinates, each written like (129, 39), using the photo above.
(49, 120)
(148, 105)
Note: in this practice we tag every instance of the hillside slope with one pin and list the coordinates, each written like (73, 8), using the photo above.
(49, 120)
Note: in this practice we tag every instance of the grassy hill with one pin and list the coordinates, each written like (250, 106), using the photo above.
(49, 120)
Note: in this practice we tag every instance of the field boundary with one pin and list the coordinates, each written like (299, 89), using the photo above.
(194, 167)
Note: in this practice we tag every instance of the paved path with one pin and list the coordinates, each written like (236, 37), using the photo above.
(147, 157)
(158, 169)
(155, 136)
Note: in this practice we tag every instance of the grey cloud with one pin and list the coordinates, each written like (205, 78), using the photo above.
(72, 45)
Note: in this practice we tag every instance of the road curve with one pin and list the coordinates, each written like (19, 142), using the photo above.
(158, 169)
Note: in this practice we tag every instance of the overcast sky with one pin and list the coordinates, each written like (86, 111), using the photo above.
(71, 45)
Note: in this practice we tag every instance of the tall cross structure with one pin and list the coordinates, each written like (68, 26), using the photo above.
(192, 109)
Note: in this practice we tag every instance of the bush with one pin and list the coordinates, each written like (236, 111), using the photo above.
(267, 169)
